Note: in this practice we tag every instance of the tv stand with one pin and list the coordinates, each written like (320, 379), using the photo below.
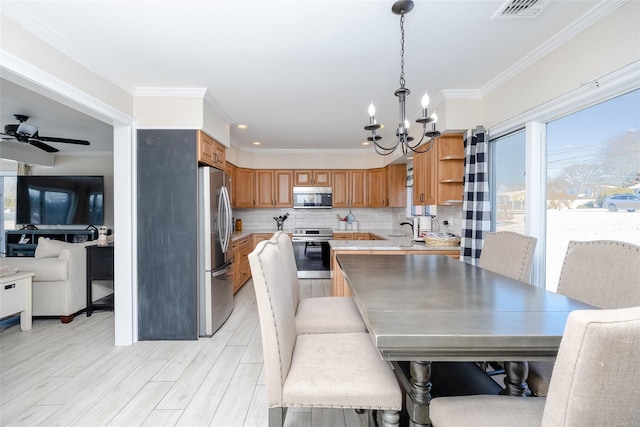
(23, 242)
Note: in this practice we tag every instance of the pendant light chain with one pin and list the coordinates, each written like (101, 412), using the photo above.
(402, 81)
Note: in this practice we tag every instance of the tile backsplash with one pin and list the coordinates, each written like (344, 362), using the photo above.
(368, 218)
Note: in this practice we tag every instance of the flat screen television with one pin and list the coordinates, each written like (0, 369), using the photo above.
(60, 200)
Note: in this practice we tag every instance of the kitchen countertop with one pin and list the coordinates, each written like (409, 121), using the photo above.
(391, 244)
(393, 240)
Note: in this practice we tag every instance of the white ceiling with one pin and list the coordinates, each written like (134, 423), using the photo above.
(299, 73)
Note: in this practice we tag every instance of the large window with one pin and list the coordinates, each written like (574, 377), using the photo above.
(508, 167)
(591, 155)
(590, 175)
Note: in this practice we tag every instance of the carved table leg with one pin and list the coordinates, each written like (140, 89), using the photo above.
(516, 379)
(419, 397)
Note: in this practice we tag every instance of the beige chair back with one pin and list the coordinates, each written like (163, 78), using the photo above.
(286, 249)
(603, 273)
(508, 253)
(596, 375)
(277, 319)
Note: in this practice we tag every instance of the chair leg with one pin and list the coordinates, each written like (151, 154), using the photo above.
(277, 416)
(389, 418)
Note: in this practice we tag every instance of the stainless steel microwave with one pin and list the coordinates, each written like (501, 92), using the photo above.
(312, 197)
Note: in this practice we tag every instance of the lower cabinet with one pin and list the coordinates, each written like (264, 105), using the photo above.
(241, 248)
(339, 287)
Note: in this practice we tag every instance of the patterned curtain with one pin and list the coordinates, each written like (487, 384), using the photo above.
(476, 206)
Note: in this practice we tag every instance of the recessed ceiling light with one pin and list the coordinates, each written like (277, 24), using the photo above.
(257, 143)
(242, 126)
(365, 143)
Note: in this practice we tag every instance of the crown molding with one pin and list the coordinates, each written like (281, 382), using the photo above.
(11, 65)
(44, 32)
(172, 92)
(587, 94)
(303, 151)
(598, 12)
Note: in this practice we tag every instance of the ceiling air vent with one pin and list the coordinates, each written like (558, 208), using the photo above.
(519, 9)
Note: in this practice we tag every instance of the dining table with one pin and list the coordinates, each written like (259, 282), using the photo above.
(431, 308)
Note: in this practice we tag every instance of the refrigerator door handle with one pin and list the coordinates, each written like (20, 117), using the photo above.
(222, 220)
(222, 271)
(229, 226)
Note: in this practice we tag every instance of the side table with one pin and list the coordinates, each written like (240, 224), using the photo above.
(15, 297)
(99, 267)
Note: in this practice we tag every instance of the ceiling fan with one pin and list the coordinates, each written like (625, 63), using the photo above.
(28, 133)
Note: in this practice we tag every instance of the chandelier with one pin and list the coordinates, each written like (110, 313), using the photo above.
(402, 7)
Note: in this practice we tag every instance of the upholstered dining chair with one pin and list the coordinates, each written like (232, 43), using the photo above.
(317, 315)
(508, 253)
(594, 382)
(342, 370)
(603, 273)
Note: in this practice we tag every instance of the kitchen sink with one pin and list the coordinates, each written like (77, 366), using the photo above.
(397, 235)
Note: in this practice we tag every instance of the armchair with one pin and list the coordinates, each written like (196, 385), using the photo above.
(59, 285)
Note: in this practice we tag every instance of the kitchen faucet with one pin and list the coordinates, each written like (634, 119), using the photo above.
(410, 224)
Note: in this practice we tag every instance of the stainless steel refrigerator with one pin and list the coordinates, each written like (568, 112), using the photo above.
(215, 260)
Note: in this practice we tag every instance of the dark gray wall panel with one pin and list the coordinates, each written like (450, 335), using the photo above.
(167, 232)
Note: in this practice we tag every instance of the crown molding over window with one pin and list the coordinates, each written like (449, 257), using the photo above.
(596, 14)
(589, 93)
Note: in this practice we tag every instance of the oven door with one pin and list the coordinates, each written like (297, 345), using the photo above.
(313, 257)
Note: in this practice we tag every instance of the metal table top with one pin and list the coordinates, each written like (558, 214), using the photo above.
(419, 307)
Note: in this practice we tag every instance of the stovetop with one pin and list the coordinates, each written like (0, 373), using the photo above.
(322, 232)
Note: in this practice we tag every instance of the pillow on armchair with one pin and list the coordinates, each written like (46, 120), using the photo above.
(48, 248)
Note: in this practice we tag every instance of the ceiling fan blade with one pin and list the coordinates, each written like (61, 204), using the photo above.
(43, 146)
(65, 140)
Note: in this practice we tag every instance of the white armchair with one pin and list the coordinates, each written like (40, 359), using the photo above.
(59, 285)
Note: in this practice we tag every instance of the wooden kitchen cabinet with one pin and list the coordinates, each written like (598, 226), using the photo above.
(377, 188)
(438, 174)
(210, 151)
(240, 249)
(340, 288)
(397, 186)
(259, 237)
(243, 188)
(350, 188)
(273, 188)
(312, 178)
(339, 235)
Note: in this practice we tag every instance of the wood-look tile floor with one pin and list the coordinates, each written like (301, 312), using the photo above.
(73, 375)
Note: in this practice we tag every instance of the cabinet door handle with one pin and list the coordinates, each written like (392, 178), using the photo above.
(11, 286)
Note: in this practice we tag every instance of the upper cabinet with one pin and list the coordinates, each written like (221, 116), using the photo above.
(350, 188)
(243, 188)
(273, 188)
(312, 178)
(396, 186)
(386, 187)
(377, 188)
(210, 151)
(438, 175)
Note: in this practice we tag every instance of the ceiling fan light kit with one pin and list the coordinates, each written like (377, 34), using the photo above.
(402, 7)
(27, 129)
(28, 133)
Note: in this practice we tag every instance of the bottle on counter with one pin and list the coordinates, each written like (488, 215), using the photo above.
(238, 224)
